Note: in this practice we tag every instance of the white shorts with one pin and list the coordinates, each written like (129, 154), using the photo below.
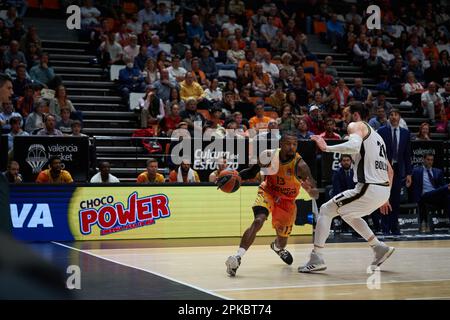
(362, 200)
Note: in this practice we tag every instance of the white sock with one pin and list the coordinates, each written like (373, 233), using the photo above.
(241, 252)
(374, 242)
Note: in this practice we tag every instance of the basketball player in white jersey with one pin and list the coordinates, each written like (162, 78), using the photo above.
(373, 174)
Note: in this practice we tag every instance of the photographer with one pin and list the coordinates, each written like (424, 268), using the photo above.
(287, 121)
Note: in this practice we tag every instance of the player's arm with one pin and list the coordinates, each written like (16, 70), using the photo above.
(390, 173)
(352, 146)
(385, 208)
(263, 162)
(308, 182)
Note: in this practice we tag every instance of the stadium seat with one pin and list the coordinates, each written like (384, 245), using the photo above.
(51, 4)
(167, 47)
(33, 3)
(3, 15)
(227, 74)
(320, 27)
(114, 72)
(134, 100)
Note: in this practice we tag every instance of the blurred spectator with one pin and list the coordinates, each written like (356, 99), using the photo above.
(431, 102)
(302, 130)
(373, 66)
(268, 30)
(424, 132)
(434, 73)
(234, 54)
(42, 74)
(60, 101)
(416, 49)
(442, 123)
(314, 120)
(329, 133)
(213, 94)
(171, 120)
(164, 85)
(131, 51)
(211, 29)
(16, 130)
(151, 174)
(268, 66)
(150, 72)
(330, 69)
(89, 15)
(379, 119)
(55, 173)
(221, 17)
(49, 127)
(262, 82)
(361, 50)
(14, 53)
(381, 101)
(152, 108)
(175, 70)
(278, 98)
(186, 62)
(361, 93)
(335, 32)
(191, 112)
(208, 64)
(154, 48)
(184, 173)
(287, 121)
(113, 48)
(164, 16)
(413, 90)
(21, 81)
(415, 67)
(25, 104)
(130, 80)
(322, 80)
(147, 14)
(6, 115)
(199, 74)
(11, 16)
(35, 120)
(104, 175)
(141, 59)
(12, 173)
(429, 188)
(259, 121)
(244, 77)
(195, 30)
(65, 123)
(191, 89)
(341, 93)
(76, 129)
(177, 29)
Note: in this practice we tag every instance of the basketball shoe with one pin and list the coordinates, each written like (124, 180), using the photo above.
(315, 263)
(233, 263)
(283, 253)
(382, 252)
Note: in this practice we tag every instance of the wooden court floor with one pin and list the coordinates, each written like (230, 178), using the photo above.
(416, 270)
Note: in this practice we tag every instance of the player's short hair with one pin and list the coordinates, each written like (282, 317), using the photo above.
(288, 135)
(53, 158)
(4, 78)
(357, 106)
(151, 160)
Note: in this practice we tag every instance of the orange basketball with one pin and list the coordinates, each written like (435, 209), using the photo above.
(231, 180)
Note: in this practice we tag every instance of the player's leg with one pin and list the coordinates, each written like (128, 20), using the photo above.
(326, 214)
(261, 209)
(373, 197)
(283, 220)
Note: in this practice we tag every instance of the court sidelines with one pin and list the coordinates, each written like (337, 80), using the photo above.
(417, 270)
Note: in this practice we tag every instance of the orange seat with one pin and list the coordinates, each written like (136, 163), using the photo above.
(129, 7)
(205, 114)
(33, 3)
(51, 4)
(271, 114)
(311, 64)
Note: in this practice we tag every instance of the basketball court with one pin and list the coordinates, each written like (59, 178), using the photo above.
(195, 269)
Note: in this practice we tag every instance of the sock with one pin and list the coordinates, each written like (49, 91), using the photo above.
(317, 250)
(374, 242)
(275, 246)
(241, 252)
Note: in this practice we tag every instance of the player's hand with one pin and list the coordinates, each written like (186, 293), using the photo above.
(408, 181)
(321, 144)
(385, 208)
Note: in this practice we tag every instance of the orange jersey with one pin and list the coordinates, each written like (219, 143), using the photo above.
(285, 183)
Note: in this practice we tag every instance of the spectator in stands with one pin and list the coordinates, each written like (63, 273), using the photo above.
(262, 82)
(329, 133)
(268, 30)
(379, 119)
(35, 120)
(373, 66)
(416, 49)
(16, 130)
(322, 80)
(191, 112)
(330, 69)
(259, 121)
(130, 80)
(164, 85)
(195, 30)
(361, 50)
(171, 121)
(54, 173)
(208, 64)
(361, 93)
(221, 165)
(21, 81)
(200, 76)
(231, 25)
(14, 53)
(287, 122)
(381, 101)
(269, 67)
(25, 103)
(176, 71)
(278, 98)
(151, 175)
(413, 90)
(60, 101)
(184, 174)
(234, 54)
(164, 16)
(113, 48)
(141, 59)
(213, 94)
(424, 132)
(429, 189)
(442, 123)
(342, 93)
(11, 70)
(335, 32)
(65, 123)
(147, 15)
(434, 73)
(221, 17)
(44, 75)
(131, 51)
(11, 16)
(6, 115)
(49, 127)
(76, 129)
(415, 67)
(191, 89)
(398, 146)
(32, 55)
(342, 180)
(186, 62)
(302, 130)
(431, 102)
(177, 29)
(314, 120)
(151, 72)
(444, 62)
(152, 108)
(12, 173)
(211, 29)
(318, 100)
(104, 175)
(89, 15)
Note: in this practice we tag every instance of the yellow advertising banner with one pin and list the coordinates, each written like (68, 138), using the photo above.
(159, 212)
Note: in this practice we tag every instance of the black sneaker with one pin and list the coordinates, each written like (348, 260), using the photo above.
(283, 253)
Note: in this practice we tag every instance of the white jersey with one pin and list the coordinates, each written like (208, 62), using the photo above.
(371, 163)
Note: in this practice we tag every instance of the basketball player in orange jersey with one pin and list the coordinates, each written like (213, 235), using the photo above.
(276, 194)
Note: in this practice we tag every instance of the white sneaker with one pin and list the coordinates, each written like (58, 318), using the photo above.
(233, 263)
(382, 252)
(315, 263)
